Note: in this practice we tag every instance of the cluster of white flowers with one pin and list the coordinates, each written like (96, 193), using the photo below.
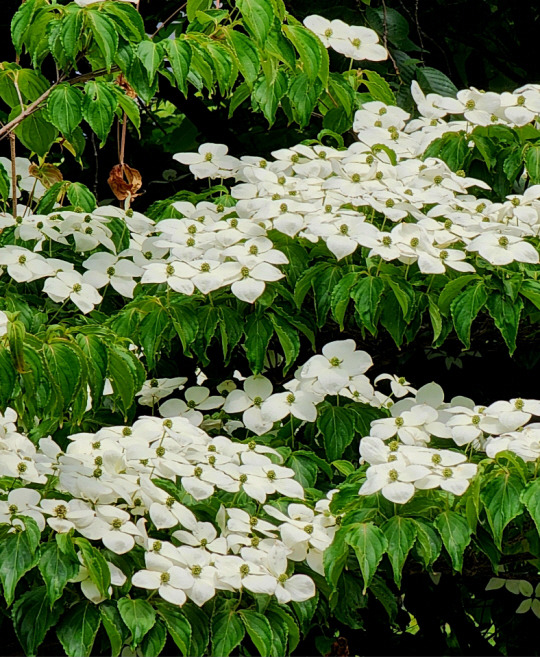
(104, 488)
(402, 462)
(352, 41)
(411, 211)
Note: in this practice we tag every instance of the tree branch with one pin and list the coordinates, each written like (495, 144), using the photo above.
(33, 107)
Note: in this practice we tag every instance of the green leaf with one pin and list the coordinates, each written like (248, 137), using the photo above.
(505, 314)
(304, 94)
(5, 183)
(404, 294)
(369, 544)
(305, 470)
(70, 33)
(124, 373)
(456, 535)
(154, 642)
(392, 319)
(105, 34)
(532, 163)
(80, 196)
(341, 295)
(258, 17)
(307, 46)
(259, 330)
(200, 630)
(259, 630)
(367, 295)
(64, 108)
(95, 563)
(337, 427)
(452, 289)
(129, 106)
(7, 377)
(22, 20)
(249, 60)
(335, 557)
(114, 626)
(153, 327)
(323, 285)
(465, 307)
(280, 633)
(65, 368)
(96, 362)
(98, 107)
(78, 629)
(501, 498)
(185, 323)
(179, 56)
(151, 56)
(267, 95)
(227, 632)
(530, 497)
(139, 617)
(35, 132)
(57, 569)
(193, 6)
(231, 328)
(428, 543)
(436, 319)
(294, 633)
(17, 556)
(401, 534)
(305, 611)
(433, 80)
(178, 626)
(379, 88)
(127, 20)
(288, 338)
(531, 290)
(33, 617)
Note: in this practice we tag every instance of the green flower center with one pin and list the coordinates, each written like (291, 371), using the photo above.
(393, 475)
(165, 578)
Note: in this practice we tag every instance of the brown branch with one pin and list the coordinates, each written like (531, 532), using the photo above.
(33, 107)
(13, 174)
(169, 19)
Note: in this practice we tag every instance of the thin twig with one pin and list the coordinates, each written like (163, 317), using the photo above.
(385, 40)
(33, 107)
(13, 174)
(169, 19)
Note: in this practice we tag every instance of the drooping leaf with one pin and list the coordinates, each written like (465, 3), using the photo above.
(456, 535)
(33, 617)
(501, 498)
(139, 617)
(369, 544)
(57, 569)
(337, 427)
(78, 628)
(401, 534)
